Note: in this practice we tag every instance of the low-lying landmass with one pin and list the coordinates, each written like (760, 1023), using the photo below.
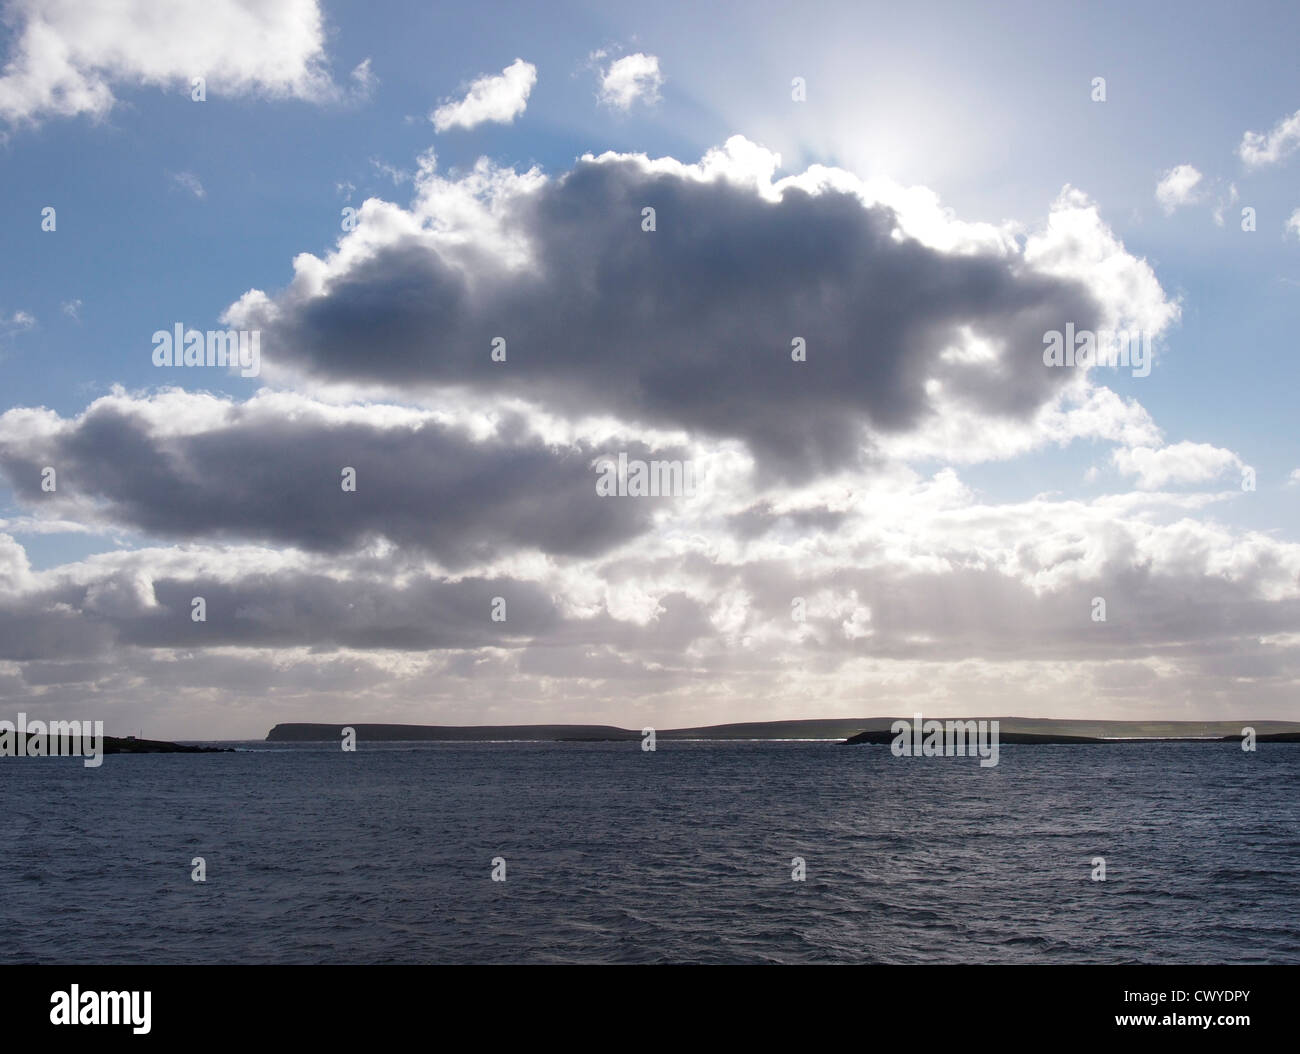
(832, 729)
(131, 745)
(128, 745)
(1027, 730)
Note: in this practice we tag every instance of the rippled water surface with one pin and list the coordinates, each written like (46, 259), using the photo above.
(618, 855)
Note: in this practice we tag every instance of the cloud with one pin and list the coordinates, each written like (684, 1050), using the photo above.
(603, 317)
(1293, 223)
(630, 78)
(500, 98)
(476, 480)
(1224, 202)
(1180, 463)
(364, 80)
(1258, 149)
(398, 176)
(71, 308)
(912, 586)
(271, 470)
(189, 181)
(18, 322)
(67, 57)
(1177, 187)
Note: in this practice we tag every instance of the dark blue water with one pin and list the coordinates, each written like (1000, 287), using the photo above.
(617, 855)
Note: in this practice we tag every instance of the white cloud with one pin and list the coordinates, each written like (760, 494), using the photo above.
(71, 308)
(19, 322)
(364, 79)
(1258, 149)
(15, 569)
(631, 78)
(397, 175)
(501, 97)
(1224, 202)
(189, 181)
(1293, 223)
(1180, 463)
(68, 56)
(1077, 243)
(1293, 479)
(960, 434)
(1177, 187)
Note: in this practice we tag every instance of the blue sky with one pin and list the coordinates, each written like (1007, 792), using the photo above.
(170, 210)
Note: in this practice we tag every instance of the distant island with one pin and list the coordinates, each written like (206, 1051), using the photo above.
(1026, 730)
(131, 745)
(126, 745)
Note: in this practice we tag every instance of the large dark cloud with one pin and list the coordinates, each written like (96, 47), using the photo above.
(274, 610)
(427, 488)
(53, 628)
(691, 325)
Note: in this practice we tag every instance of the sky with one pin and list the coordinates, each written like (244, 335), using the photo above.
(807, 259)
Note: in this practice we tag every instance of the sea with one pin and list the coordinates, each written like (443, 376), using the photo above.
(697, 852)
